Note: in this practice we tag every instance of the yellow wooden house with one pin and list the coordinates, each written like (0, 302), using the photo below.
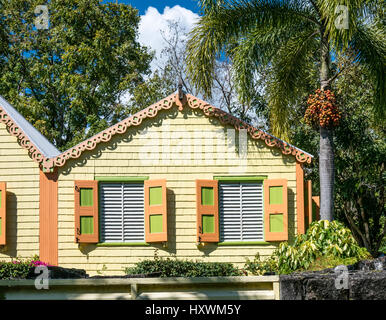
(180, 178)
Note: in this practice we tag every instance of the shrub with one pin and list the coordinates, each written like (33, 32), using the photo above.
(14, 269)
(168, 267)
(260, 267)
(382, 248)
(322, 239)
(19, 269)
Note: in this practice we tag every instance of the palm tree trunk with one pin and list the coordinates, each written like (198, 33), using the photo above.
(326, 147)
(326, 174)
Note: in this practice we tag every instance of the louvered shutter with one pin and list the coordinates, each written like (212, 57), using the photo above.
(133, 213)
(111, 204)
(86, 211)
(207, 211)
(122, 212)
(230, 203)
(241, 212)
(252, 212)
(156, 227)
(276, 210)
(3, 213)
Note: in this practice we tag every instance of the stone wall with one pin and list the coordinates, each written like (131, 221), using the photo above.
(365, 280)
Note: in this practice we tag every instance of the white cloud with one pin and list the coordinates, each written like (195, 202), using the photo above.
(153, 22)
(150, 27)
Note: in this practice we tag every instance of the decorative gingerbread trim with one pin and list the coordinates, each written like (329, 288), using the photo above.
(23, 140)
(255, 133)
(47, 164)
(119, 128)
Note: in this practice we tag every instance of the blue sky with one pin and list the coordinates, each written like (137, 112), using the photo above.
(155, 16)
(142, 5)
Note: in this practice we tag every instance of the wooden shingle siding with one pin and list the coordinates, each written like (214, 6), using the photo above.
(21, 174)
(199, 151)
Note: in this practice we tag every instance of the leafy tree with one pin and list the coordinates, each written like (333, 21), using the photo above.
(360, 150)
(155, 87)
(292, 38)
(68, 80)
(172, 67)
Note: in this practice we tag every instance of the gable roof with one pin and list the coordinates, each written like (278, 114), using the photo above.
(39, 148)
(48, 157)
(167, 103)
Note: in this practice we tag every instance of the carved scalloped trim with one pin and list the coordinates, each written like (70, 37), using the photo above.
(121, 127)
(23, 140)
(255, 133)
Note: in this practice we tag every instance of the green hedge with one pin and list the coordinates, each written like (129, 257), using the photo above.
(14, 270)
(168, 267)
(19, 269)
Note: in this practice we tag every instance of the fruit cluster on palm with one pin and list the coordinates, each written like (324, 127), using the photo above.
(290, 38)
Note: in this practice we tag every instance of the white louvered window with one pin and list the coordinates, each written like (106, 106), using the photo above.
(241, 211)
(122, 212)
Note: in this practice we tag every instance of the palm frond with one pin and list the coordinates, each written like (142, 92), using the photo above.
(340, 17)
(235, 20)
(369, 42)
(258, 49)
(289, 78)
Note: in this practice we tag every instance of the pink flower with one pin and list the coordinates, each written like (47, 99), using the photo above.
(39, 263)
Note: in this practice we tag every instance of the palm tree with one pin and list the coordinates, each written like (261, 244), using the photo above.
(289, 38)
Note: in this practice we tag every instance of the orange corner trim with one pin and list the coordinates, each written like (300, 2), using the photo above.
(48, 216)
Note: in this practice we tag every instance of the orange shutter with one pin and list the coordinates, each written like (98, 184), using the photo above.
(276, 210)
(316, 208)
(3, 213)
(308, 201)
(86, 211)
(300, 203)
(207, 211)
(156, 223)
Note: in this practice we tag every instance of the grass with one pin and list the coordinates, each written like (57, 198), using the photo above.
(326, 262)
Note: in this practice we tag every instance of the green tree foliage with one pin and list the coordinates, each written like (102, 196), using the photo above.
(360, 153)
(68, 80)
(322, 239)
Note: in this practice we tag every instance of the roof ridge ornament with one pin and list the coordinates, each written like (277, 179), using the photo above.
(180, 91)
(180, 95)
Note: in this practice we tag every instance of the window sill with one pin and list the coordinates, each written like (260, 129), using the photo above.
(121, 179)
(243, 243)
(240, 178)
(123, 244)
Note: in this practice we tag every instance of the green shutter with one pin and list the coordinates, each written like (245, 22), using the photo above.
(276, 223)
(86, 197)
(207, 224)
(155, 196)
(86, 225)
(276, 195)
(156, 223)
(207, 196)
